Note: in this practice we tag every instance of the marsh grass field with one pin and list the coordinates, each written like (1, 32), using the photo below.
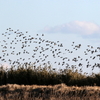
(41, 92)
(45, 83)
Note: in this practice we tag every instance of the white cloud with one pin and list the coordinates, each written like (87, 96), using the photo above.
(81, 27)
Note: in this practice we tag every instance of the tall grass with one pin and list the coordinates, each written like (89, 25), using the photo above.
(56, 92)
(29, 74)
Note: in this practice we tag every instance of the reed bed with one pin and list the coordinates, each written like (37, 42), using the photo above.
(46, 83)
(41, 92)
(30, 74)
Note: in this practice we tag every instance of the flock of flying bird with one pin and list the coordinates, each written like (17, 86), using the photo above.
(26, 42)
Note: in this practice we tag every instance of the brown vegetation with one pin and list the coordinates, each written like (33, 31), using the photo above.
(56, 92)
(46, 76)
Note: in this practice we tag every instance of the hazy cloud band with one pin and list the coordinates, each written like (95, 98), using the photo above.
(80, 27)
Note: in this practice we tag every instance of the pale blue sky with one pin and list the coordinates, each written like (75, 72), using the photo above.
(34, 15)
(67, 20)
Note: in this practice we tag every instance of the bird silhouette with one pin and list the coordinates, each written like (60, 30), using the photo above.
(22, 45)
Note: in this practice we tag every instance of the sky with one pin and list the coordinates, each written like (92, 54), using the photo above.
(60, 20)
